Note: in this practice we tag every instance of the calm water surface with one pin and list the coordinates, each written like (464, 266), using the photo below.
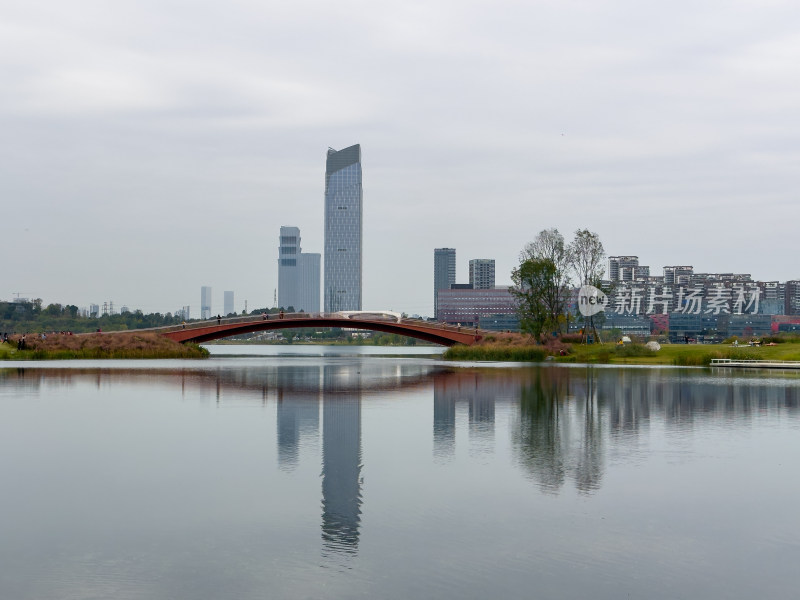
(342, 474)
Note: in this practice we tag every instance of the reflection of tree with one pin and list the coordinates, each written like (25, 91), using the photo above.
(537, 439)
(558, 434)
(589, 469)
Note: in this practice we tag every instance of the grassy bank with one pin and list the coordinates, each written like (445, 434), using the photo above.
(633, 354)
(101, 346)
(6, 350)
(496, 352)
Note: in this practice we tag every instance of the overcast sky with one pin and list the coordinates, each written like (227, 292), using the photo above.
(151, 147)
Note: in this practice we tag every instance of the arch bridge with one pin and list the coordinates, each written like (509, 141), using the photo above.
(383, 321)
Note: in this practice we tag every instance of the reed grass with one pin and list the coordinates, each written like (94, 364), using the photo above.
(128, 345)
(496, 352)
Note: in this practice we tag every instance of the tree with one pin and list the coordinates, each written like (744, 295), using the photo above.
(586, 256)
(550, 256)
(537, 292)
(549, 244)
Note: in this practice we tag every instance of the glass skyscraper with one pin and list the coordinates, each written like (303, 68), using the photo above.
(343, 228)
(205, 302)
(444, 273)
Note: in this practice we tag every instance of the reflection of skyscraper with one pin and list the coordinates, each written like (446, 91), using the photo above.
(479, 393)
(341, 463)
(481, 414)
(444, 418)
(343, 227)
(298, 416)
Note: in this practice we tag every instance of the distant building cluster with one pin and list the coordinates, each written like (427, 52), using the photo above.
(687, 305)
(206, 305)
(479, 303)
(692, 305)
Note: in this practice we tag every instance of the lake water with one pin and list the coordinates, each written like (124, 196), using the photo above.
(339, 472)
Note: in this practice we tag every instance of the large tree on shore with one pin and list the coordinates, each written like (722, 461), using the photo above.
(535, 288)
(549, 255)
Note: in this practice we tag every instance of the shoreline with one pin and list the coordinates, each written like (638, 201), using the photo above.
(686, 355)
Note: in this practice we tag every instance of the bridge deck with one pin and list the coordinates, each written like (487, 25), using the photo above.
(438, 333)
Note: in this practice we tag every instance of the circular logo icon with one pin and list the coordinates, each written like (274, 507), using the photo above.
(591, 300)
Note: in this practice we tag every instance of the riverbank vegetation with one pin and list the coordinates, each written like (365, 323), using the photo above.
(678, 354)
(567, 349)
(98, 346)
(31, 316)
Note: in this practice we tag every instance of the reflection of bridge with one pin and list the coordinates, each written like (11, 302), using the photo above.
(437, 333)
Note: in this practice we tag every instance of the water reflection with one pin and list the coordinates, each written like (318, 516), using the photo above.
(476, 391)
(558, 432)
(559, 427)
(297, 414)
(341, 460)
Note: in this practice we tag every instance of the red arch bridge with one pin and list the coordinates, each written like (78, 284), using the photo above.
(384, 321)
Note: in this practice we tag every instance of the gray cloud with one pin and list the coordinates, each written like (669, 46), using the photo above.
(149, 148)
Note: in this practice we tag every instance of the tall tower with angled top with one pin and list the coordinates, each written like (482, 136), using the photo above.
(343, 229)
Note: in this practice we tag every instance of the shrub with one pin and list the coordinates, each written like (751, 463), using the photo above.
(572, 338)
(630, 350)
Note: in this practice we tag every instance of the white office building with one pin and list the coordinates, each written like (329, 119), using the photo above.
(298, 274)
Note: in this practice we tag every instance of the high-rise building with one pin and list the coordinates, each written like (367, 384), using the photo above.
(444, 273)
(205, 302)
(481, 273)
(298, 274)
(343, 229)
(792, 298)
(622, 268)
(228, 302)
(678, 274)
(308, 269)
